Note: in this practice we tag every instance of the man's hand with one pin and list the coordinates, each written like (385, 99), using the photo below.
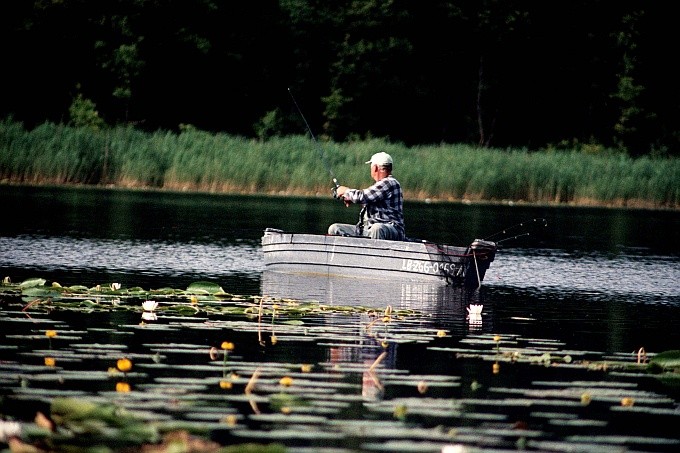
(340, 190)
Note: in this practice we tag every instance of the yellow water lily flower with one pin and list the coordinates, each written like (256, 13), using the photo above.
(122, 387)
(286, 381)
(400, 411)
(124, 365)
(50, 333)
(50, 361)
(586, 398)
(230, 420)
(227, 345)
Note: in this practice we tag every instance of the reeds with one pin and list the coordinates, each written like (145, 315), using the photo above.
(198, 160)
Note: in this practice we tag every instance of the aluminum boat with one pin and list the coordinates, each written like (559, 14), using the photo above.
(365, 258)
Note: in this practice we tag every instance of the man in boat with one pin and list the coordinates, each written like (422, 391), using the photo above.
(382, 215)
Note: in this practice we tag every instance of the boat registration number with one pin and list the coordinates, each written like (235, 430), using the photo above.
(429, 268)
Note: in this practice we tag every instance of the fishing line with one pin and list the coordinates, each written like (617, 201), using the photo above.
(318, 145)
(513, 237)
(513, 227)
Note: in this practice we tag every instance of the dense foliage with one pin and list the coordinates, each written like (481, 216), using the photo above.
(198, 160)
(567, 73)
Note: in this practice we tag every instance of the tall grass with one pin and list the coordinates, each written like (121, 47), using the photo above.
(197, 160)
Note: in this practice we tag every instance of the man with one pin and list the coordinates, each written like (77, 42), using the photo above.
(382, 214)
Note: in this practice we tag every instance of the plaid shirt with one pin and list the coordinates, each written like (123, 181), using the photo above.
(384, 202)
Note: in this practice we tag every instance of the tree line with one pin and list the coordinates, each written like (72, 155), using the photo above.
(591, 75)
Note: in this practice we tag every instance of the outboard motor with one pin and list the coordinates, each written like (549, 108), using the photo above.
(483, 253)
(484, 250)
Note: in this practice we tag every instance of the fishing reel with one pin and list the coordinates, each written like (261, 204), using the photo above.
(337, 196)
(334, 190)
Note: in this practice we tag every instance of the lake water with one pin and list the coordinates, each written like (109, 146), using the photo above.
(593, 279)
(606, 277)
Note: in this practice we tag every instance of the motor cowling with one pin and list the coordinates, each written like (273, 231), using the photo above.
(484, 249)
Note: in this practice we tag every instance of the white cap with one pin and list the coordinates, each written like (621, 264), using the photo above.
(380, 158)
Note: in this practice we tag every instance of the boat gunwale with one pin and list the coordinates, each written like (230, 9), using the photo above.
(461, 253)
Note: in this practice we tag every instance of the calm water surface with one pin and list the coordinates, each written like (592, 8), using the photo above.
(591, 281)
(601, 277)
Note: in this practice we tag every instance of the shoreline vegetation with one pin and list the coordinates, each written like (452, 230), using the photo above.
(192, 160)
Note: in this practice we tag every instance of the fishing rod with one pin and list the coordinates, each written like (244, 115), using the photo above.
(318, 146)
(513, 227)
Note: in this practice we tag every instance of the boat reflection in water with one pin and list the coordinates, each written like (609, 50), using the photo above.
(435, 299)
(456, 310)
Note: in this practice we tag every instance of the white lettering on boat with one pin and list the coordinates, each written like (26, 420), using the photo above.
(426, 267)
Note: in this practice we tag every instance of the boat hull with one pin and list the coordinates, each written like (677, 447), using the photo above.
(367, 258)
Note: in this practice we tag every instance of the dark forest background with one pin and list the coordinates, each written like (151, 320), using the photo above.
(569, 74)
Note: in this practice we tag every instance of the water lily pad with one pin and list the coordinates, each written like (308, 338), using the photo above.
(623, 440)
(288, 418)
(202, 287)
(291, 434)
(32, 282)
(175, 384)
(173, 389)
(581, 422)
(216, 417)
(554, 415)
(665, 360)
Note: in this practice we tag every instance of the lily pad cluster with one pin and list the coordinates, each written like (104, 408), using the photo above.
(199, 297)
(220, 372)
